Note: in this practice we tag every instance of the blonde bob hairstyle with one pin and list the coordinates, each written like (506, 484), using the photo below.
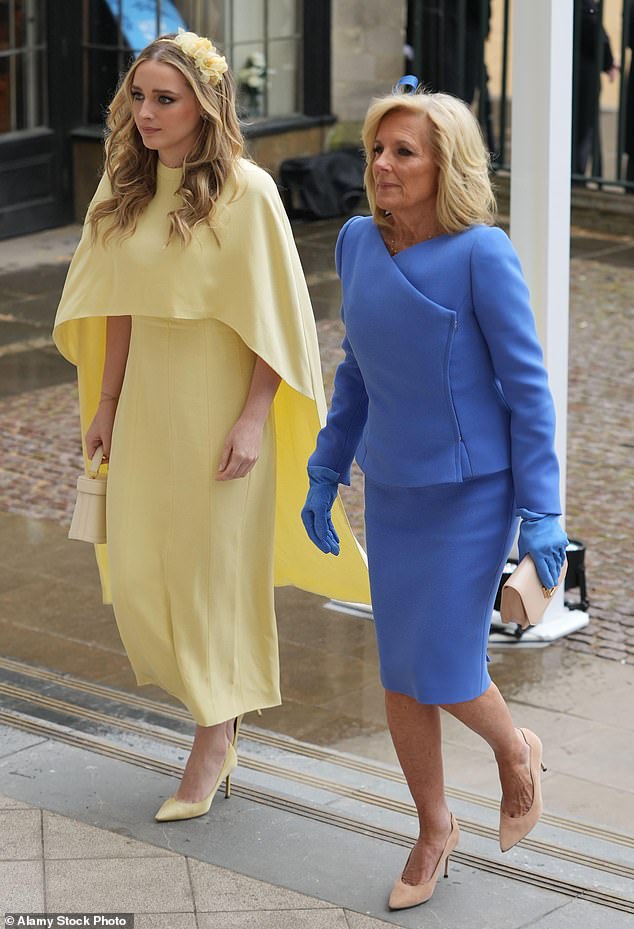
(131, 167)
(464, 194)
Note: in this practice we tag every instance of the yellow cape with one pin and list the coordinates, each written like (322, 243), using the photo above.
(251, 280)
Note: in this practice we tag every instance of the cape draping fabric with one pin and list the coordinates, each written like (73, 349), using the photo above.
(252, 281)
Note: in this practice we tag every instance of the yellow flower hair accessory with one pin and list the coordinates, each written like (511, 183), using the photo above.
(206, 58)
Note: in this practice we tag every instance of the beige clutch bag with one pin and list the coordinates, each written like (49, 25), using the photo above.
(89, 517)
(524, 598)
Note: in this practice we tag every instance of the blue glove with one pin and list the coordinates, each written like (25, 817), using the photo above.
(545, 541)
(316, 516)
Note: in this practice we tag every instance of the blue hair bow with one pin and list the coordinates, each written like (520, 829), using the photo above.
(407, 84)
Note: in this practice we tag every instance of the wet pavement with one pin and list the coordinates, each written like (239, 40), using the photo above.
(578, 693)
(37, 403)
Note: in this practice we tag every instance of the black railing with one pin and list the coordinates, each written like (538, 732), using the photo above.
(457, 45)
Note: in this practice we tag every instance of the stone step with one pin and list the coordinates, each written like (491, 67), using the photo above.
(344, 790)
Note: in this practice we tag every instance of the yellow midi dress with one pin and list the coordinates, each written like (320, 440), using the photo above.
(191, 562)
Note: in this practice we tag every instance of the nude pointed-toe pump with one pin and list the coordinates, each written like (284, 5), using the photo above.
(405, 895)
(514, 828)
(174, 809)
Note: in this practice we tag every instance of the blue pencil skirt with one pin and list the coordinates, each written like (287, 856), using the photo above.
(436, 556)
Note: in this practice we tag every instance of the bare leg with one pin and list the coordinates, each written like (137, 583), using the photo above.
(489, 716)
(416, 733)
(204, 762)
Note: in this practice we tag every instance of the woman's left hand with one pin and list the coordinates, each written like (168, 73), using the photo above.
(241, 450)
(542, 537)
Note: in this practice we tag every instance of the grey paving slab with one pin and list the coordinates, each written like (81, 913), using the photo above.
(13, 740)
(20, 835)
(290, 919)
(478, 901)
(591, 803)
(80, 784)
(166, 921)
(556, 678)
(8, 803)
(361, 921)
(218, 890)
(579, 914)
(111, 885)
(68, 838)
(610, 763)
(21, 886)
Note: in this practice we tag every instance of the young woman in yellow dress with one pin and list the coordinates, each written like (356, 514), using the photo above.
(187, 314)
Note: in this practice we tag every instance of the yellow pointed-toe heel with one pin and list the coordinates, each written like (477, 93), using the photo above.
(174, 809)
(514, 828)
(405, 895)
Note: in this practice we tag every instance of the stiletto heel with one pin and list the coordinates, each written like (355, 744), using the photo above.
(236, 730)
(174, 809)
(405, 895)
(514, 828)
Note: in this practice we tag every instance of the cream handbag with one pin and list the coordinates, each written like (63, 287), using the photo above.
(524, 598)
(89, 518)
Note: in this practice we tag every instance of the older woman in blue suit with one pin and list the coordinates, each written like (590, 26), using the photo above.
(443, 398)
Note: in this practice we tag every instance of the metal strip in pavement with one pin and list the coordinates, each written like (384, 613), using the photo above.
(289, 744)
(328, 817)
(273, 770)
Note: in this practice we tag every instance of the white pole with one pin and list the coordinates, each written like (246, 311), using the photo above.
(540, 210)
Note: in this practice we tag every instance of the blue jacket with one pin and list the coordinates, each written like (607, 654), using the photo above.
(443, 377)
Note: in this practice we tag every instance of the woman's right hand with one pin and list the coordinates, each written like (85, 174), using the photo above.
(317, 512)
(100, 430)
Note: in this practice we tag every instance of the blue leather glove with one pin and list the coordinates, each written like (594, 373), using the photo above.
(545, 541)
(316, 516)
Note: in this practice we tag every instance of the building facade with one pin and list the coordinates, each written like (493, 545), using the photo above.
(60, 61)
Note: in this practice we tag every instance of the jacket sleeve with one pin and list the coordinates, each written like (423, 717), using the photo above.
(339, 439)
(502, 309)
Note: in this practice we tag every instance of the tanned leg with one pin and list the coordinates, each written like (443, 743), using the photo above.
(489, 716)
(416, 733)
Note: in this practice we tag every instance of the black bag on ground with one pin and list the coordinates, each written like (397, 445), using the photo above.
(322, 186)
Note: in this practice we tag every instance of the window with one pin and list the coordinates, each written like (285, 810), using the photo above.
(114, 32)
(264, 46)
(22, 65)
(260, 38)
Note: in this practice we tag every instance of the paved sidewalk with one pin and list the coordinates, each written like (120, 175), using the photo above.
(54, 864)
(311, 839)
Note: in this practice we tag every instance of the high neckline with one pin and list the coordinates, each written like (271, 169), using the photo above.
(165, 171)
(168, 180)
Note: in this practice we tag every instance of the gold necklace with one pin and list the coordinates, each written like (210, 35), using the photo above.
(393, 248)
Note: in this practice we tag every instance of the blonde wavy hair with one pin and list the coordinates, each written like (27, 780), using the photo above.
(132, 168)
(464, 195)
